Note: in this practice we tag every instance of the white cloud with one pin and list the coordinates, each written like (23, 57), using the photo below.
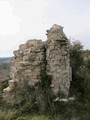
(9, 23)
(32, 13)
(26, 19)
(20, 20)
(84, 38)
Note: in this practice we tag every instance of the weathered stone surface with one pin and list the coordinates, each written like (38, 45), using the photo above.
(11, 83)
(57, 56)
(7, 91)
(56, 33)
(36, 56)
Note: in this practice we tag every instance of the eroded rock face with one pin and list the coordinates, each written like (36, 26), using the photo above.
(57, 57)
(50, 57)
(29, 62)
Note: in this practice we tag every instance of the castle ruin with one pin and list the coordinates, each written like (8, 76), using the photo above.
(37, 56)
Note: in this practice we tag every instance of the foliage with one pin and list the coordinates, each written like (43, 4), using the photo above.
(80, 84)
(36, 102)
(8, 115)
(60, 111)
(3, 85)
(38, 117)
(13, 115)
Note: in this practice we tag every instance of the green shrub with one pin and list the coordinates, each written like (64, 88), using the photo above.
(8, 114)
(2, 115)
(38, 117)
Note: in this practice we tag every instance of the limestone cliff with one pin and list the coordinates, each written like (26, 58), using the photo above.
(36, 56)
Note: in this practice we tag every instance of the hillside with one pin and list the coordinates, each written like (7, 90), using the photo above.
(4, 68)
(5, 60)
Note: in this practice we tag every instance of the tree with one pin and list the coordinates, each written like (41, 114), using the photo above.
(80, 84)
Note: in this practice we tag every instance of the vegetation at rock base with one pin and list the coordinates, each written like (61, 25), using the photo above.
(80, 63)
(4, 74)
(38, 105)
(4, 68)
(61, 111)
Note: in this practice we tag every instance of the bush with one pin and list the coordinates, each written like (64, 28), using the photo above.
(38, 117)
(8, 115)
(80, 84)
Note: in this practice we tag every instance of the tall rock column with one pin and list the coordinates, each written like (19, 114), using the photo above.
(57, 57)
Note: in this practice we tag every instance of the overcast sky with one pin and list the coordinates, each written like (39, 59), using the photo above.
(21, 20)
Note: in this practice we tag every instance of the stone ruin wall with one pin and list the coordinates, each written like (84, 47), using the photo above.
(36, 56)
(57, 56)
(28, 62)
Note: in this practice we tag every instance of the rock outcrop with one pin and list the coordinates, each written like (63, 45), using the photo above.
(29, 62)
(36, 57)
(57, 57)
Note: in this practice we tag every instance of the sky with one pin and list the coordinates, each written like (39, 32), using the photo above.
(21, 20)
